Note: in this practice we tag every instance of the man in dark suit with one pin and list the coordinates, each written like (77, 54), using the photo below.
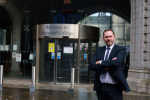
(108, 63)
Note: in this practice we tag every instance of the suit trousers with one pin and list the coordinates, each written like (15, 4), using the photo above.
(109, 92)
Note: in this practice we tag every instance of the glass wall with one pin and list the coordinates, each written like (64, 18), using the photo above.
(102, 20)
(84, 72)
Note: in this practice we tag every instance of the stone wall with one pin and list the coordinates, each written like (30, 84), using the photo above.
(139, 72)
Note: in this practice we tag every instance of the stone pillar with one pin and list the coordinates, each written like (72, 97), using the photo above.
(16, 40)
(139, 72)
(16, 14)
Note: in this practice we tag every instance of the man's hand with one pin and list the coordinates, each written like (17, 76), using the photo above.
(112, 59)
(98, 62)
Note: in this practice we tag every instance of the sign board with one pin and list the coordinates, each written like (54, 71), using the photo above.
(58, 55)
(53, 55)
(85, 56)
(6, 47)
(18, 57)
(2, 47)
(58, 30)
(68, 50)
(14, 47)
(13, 54)
(51, 47)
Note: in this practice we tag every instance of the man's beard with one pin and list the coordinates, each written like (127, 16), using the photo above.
(109, 44)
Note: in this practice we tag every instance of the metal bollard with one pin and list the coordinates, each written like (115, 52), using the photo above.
(72, 77)
(33, 75)
(32, 88)
(1, 77)
(71, 90)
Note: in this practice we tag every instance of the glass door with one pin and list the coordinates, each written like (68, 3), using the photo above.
(84, 72)
(46, 61)
(57, 70)
(66, 59)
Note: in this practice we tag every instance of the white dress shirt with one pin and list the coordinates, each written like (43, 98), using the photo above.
(108, 79)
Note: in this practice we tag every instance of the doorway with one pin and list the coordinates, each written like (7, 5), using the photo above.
(57, 70)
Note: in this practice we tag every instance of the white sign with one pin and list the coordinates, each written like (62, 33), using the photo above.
(13, 54)
(18, 57)
(52, 55)
(58, 55)
(6, 47)
(31, 56)
(2, 47)
(68, 50)
(14, 47)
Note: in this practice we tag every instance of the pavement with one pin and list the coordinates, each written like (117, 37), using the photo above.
(18, 89)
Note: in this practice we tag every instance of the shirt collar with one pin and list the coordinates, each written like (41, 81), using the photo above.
(110, 46)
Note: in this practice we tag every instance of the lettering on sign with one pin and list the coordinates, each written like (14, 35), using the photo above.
(58, 30)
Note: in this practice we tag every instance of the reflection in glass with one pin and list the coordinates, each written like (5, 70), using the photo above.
(102, 20)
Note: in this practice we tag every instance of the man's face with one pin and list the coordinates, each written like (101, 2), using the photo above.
(109, 38)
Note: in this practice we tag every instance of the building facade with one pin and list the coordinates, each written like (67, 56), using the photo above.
(128, 18)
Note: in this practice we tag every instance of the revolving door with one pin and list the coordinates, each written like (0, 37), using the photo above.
(58, 50)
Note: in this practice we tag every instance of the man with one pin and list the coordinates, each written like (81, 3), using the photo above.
(108, 64)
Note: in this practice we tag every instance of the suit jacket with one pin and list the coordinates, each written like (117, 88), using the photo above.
(116, 66)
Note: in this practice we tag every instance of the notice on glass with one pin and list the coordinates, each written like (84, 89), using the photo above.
(1, 47)
(6, 47)
(53, 55)
(58, 55)
(31, 56)
(85, 56)
(14, 47)
(51, 47)
(68, 50)
(18, 57)
(13, 54)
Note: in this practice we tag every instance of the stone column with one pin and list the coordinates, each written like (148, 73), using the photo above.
(139, 72)
(16, 15)
(16, 40)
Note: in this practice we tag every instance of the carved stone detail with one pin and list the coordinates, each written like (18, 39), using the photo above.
(145, 31)
(145, 49)
(145, 15)
(145, 58)
(144, 66)
(145, 40)
(145, 7)
(145, 23)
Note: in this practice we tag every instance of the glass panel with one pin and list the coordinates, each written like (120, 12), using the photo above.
(84, 73)
(94, 46)
(66, 59)
(46, 64)
(106, 20)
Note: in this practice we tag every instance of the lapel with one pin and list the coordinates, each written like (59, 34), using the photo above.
(112, 52)
(102, 53)
(101, 57)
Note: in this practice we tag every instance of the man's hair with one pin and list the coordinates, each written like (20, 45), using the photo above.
(108, 30)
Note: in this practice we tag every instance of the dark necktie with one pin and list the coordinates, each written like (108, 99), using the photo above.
(103, 75)
(106, 57)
